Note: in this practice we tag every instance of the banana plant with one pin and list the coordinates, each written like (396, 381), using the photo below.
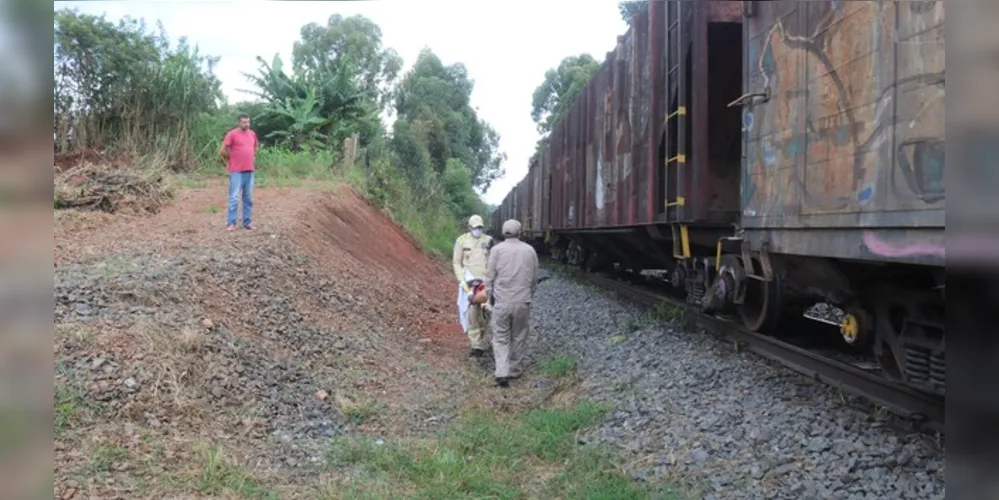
(302, 120)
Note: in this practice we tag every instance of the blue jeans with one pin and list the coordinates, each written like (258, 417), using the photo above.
(240, 182)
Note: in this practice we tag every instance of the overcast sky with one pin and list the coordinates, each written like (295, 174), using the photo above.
(507, 46)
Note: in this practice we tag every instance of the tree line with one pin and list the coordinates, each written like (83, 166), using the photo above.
(123, 87)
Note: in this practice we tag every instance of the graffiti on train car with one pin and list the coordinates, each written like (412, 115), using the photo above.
(872, 100)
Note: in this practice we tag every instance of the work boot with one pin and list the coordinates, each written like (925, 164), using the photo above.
(502, 382)
(476, 353)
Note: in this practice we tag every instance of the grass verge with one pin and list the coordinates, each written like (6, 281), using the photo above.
(222, 475)
(558, 367)
(533, 454)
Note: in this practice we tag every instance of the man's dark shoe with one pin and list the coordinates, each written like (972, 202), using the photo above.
(502, 382)
(476, 353)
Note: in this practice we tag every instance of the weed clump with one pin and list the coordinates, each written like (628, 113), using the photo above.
(558, 367)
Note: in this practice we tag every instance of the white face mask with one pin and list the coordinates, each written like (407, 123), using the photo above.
(477, 232)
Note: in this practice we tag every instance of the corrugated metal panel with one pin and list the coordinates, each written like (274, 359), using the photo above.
(854, 132)
(524, 201)
(603, 180)
(639, 85)
(657, 108)
(621, 123)
(569, 159)
(579, 159)
(546, 191)
(562, 161)
(536, 223)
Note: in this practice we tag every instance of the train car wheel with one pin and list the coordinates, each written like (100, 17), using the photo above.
(763, 306)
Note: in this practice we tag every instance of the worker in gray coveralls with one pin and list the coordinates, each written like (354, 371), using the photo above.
(511, 280)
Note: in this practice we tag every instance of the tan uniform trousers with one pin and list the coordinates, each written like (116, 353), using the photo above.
(510, 325)
(477, 324)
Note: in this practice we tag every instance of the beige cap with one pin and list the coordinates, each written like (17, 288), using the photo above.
(474, 221)
(511, 228)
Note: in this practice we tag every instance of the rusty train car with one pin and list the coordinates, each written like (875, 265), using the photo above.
(524, 203)
(770, 155)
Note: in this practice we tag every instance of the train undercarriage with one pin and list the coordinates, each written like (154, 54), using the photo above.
(893, 313)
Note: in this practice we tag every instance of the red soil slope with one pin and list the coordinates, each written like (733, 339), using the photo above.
(355, 243)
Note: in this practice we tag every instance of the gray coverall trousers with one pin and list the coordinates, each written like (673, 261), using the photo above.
(511, 322)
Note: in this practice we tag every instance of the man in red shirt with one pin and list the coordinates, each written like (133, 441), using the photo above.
(240, 147)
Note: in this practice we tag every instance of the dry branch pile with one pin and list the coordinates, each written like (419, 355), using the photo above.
(101, 187)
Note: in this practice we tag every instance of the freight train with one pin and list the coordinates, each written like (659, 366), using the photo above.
(769, 155)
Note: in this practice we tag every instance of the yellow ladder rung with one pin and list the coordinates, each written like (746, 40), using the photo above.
(681, 111)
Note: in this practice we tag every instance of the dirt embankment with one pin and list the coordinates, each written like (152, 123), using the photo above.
(189, 359)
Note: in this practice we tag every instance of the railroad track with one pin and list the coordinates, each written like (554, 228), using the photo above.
(920, 411)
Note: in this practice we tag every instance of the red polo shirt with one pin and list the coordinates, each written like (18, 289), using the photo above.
(242, 148)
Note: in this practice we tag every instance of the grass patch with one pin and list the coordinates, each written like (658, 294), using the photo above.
(68, 407)
(211, 209)
(489, 455)
(664, 312)
(221, 475)
(71, 409)
(558, 367)
(280, 168)
(357, 412)
(105, 458)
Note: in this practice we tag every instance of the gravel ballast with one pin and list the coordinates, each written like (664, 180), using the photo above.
(688, 409)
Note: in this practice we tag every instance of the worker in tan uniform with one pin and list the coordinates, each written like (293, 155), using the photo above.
(511, 280)
(471, 254)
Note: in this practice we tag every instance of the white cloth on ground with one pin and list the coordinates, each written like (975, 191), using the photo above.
(463, 303)
(463, 306)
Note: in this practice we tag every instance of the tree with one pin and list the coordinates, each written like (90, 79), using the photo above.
(119, 86)
(561, 87)
(457, 185)
(435, 102)
(628, 9)
(325, 49)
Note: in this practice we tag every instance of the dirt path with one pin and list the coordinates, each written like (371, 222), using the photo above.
(190, 359)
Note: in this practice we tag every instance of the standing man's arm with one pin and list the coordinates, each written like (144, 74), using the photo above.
(490, 274)
(256, 144)
(534, 275)
(226, 144)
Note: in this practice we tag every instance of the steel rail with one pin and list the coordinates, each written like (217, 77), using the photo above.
(924, 411)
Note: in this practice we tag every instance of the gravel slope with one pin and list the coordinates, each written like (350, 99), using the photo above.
(173, 337)
(723, 424)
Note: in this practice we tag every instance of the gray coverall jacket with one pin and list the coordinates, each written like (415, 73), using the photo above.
(511, 279)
